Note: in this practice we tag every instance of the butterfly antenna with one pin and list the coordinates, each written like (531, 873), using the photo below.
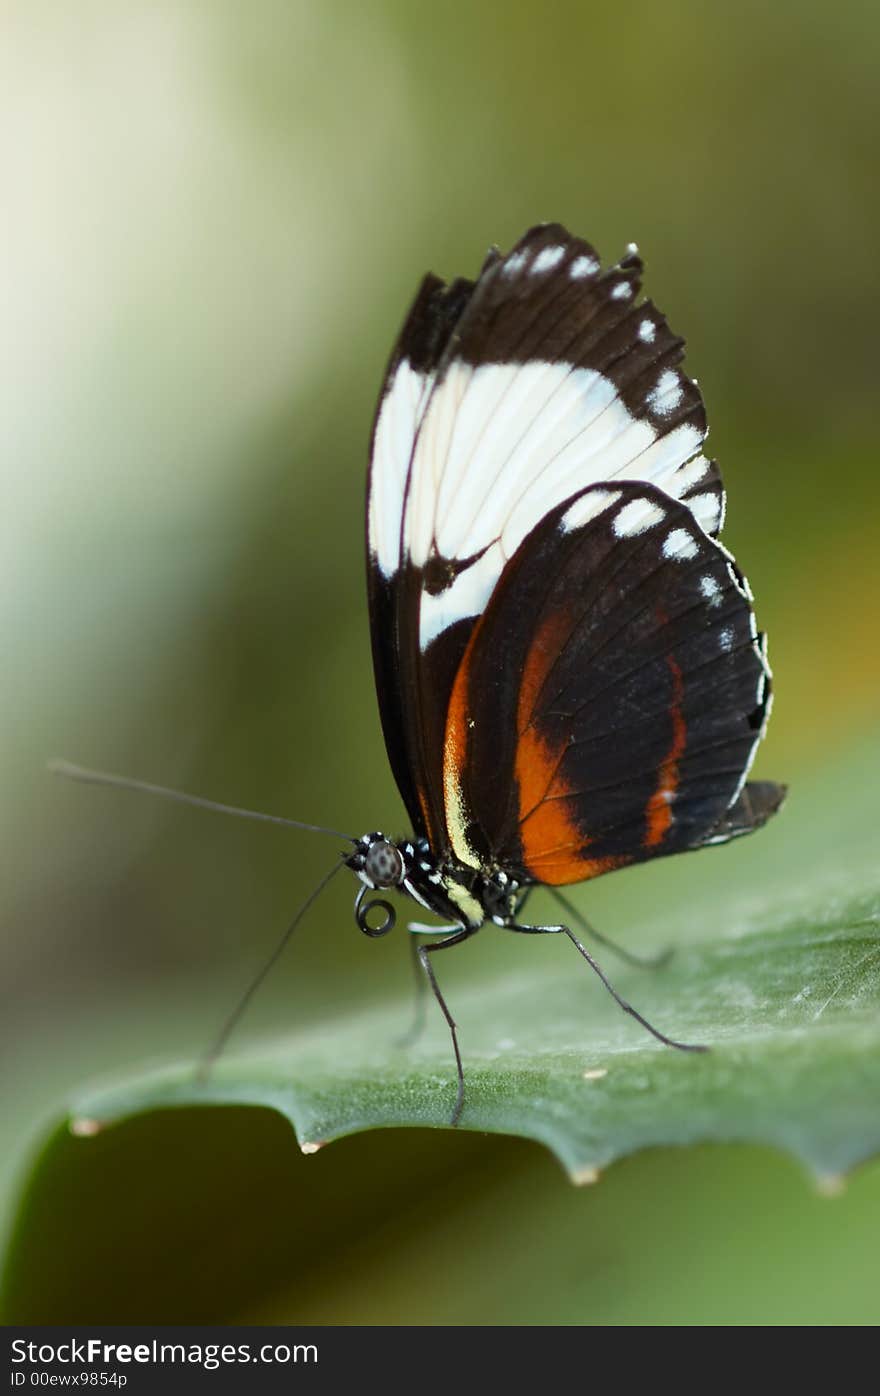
(89, 777)
(222, 1038)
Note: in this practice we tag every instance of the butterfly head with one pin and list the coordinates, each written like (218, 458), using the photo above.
(380, 863)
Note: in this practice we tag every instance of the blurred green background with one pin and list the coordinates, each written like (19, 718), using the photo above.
(215, 216)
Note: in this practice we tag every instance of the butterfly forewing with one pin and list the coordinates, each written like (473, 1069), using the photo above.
(392, 590)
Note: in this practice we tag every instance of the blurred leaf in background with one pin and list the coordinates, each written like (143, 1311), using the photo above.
(215, 218)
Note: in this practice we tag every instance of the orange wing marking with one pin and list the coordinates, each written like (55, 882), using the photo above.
(553, 845)
(659, 807)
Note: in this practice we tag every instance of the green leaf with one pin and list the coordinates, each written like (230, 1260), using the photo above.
(791, 1013)
(778, 972)
(785, 993)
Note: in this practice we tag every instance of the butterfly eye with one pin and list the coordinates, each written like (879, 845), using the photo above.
(383, 864)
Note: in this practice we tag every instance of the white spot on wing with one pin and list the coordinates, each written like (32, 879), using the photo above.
(637, 517)
(726, 638)
(706, 509)
(688, 475)
(547, 259)
(582, 267)
(666, 394)
(711, 590)
(679, 545)
(667, 463)
(647, 331)
(589, 506)
(515, 263)
(622, 291)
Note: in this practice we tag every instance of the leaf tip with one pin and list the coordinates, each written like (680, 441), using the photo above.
(830, 1184)
(84, 1127)
(583, 1177)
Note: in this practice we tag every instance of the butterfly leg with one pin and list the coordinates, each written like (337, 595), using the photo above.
(637, 961)
(618, 998)
(414, 1032)
(423, 952)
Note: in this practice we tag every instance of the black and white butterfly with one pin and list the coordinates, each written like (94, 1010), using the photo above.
(568, 670)
(569, 674)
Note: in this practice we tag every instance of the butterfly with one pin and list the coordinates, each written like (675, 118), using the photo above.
(569, 674)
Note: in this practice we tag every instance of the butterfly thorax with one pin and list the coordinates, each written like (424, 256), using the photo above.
(450, 889)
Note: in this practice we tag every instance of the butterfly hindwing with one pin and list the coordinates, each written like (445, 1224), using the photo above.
(619, 723)
(758, 802)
